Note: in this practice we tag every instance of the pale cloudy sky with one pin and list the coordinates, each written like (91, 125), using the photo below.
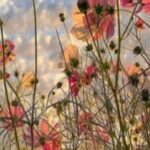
(18, 19)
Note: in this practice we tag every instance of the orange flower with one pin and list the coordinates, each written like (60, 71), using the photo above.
(70, 52)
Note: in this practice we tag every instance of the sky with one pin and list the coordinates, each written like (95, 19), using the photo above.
(19, 27)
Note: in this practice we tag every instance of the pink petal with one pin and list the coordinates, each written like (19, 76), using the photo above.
(44, 127)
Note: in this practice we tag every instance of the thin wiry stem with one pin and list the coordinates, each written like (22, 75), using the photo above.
(35, 74)
(6, 91)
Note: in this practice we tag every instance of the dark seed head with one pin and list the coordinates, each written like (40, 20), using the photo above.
(89, 47)
(15, 103)
(59, 85)
(145, 95)
(134, 80)
(74, 62)
(62, 17)
(112, 45)
(99, 10)
(137, 50)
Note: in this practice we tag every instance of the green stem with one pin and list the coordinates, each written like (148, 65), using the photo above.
(35, 74)
(6, 92)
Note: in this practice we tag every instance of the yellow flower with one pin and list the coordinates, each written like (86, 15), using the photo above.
(28, 80)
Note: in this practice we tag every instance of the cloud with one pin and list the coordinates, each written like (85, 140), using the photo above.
(19, 27)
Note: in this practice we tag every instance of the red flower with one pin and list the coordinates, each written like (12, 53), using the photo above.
(85, 122)
(45, 138)
(90, 72)
(139, 24)
(17, 116)
(74, 82)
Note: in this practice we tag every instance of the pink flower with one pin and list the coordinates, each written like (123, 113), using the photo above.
(143, 5)
(74, 82)
(89, 73)
(132, 70)
(106, 19)
(85, 122)
(100, 18)
(103, 135)
(17, 115)
(94, 3)
(127, 3)
(146, 5)
(9, 52)
(45, 138)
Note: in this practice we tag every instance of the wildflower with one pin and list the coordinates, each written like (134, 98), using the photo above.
(142, 5)
(7, 75)
(127, 3)
(70, 53)
(132, 70)
(139, 24)
(9, 52)
(44, 137)
(89, 73)
(104, 23)
(99, 18)
(17, 116)
(74, 82)
(28, 80)
(103, 134)
(85, 125)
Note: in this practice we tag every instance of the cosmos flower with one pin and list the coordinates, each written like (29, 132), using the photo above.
(85, 125)
(45, 138)
(74, 82)
(103, 134)
(9, 52)
(132, 70)
(28, 80)
(142, 5)
(139, 24)
(70, 53)
(100, 18)
(17, 116)
(89, 73)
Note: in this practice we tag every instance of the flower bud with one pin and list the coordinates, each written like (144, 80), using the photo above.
(62, 17)
(83, 5)
(145, 95)
(137, 50)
